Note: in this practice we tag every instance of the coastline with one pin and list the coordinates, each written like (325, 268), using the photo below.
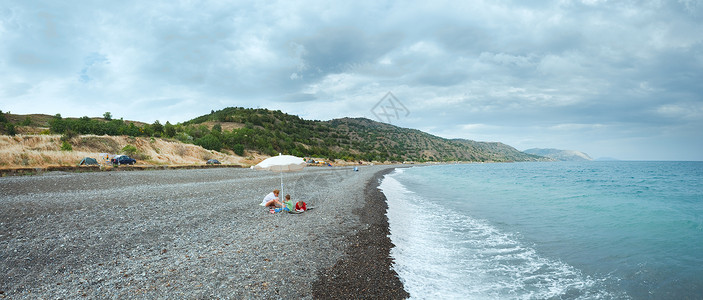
(365, 269)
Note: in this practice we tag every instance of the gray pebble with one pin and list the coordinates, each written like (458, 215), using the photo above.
(173, 233)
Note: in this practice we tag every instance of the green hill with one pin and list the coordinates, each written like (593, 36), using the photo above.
(401, 144)
(275, 132)
(272, 132)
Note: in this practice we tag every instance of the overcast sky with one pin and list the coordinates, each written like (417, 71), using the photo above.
(619, 79)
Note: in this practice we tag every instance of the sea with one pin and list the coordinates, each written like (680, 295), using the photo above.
(548, 230)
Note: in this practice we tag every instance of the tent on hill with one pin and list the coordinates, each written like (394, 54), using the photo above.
(87, 161)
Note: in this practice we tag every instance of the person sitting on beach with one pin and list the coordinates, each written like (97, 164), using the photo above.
(271, 200)
(287, 204)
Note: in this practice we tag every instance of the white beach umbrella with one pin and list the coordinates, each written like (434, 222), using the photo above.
(282, 163)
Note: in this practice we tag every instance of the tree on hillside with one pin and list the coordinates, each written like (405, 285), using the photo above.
(209, 142)
(169, 130)
(198, 132)
(57, 124)
(146, 130)
(217, 128)
(217, 132)
(6, 127)
(113, 127)
(84, 125)
(107, 115)
(158, 128)
(10, 129)
(131, 130)
(238, 149)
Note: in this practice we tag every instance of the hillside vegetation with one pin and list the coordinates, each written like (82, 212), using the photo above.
(350, 139)
(247, 131)
(401, 144)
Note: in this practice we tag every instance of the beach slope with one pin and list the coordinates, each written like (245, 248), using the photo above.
(185, 234)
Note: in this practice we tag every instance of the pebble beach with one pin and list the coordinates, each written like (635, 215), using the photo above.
(195, 234)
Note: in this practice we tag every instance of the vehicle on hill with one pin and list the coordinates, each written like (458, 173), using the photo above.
(123, 160)
(213, 162)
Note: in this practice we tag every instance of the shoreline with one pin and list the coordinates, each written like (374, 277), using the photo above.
(365, 269)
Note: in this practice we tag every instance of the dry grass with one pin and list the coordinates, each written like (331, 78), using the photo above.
(226, 126)
(44, 150)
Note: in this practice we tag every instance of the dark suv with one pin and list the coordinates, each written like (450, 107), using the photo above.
(123, 160)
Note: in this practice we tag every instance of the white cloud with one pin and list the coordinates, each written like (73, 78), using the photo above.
(576, 127)
(508, 59)
(693, 112)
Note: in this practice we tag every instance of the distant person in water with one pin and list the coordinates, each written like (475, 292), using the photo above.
(271, 200)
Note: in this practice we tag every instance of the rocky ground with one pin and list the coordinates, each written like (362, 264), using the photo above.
(193, 234)
(364, 272)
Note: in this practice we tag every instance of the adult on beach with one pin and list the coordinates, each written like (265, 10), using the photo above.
(271, 200)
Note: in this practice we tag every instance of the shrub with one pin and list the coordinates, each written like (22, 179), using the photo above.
(169, 130)
(207, 156)
(158, 128)
(68, 135)
(66, 146)
(10, 129)
(129, 150)
(181, 150)
(209, 142)
(238, 149)
(217, 128)
(133, 152)
(184, 137)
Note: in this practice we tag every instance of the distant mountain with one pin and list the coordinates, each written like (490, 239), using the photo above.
(562, 155)
(271, 132)
(368, 136)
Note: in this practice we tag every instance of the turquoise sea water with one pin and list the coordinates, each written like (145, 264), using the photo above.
(588, 230)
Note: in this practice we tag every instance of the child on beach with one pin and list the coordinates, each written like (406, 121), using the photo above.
(288, 205)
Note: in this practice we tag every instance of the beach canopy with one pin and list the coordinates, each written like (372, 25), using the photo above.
(282, 163)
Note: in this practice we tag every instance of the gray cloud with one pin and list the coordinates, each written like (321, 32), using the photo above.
(613, 78)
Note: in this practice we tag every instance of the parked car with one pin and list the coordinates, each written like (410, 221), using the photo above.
(212, 162)
(123, 160)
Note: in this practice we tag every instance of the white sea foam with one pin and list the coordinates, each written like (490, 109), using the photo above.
(441, 253)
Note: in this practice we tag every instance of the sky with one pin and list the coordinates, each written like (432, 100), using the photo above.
(620, 79)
